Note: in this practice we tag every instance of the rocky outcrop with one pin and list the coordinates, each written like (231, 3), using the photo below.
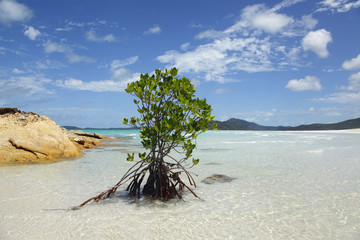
(84, 140)
(27, 137)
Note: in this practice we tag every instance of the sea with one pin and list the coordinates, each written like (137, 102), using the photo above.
(287, 185)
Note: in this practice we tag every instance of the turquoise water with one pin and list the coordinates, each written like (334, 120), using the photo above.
(288, 185)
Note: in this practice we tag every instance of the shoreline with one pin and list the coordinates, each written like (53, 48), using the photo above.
(353, 131)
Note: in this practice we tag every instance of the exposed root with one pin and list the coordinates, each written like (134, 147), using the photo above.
(163, 182)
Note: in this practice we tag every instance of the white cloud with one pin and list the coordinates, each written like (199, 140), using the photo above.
(74, 58)
(350, 95)
(317, 42)
(153, 30)
(63, 29)
(32, 33)
(185, 46)
(91, 36)
(223, 56)
(308, 21)
(195, 25)
(338, 5)
(352, 64)
(115, 64)
(221, 91)
(12, 11)
(271, 22)
(17, 71)
(43, 65)
(95, 86)
(24, 86)
(118, 82)
(285, 3)
(265, 19)
(51, 47)
(342, 97)
(354, 82)
(305, 84)
(257, 42)
(211, 34)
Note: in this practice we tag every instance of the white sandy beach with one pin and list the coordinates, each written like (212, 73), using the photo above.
(288, 185)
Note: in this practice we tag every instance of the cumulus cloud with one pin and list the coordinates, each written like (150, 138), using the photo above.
(256, 42)
(118, 82)
(338, 5)
(24, 86)
(267, 20)
(223, 56)
(12, 11)
(31, 33)
(91, 36)
(153, 30)
(259, 17)
(352, 64)
(317, 42)
(51, 47)
(305, 84)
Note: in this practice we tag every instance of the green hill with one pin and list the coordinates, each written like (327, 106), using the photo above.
(239, 124)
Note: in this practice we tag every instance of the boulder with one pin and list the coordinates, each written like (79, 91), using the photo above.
(26, 137)
(84, 140)
(217, 178)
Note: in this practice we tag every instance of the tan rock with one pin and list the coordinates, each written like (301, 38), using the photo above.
(84, 140)
(26, 137)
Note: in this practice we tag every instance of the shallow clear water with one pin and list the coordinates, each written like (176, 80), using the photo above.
(289, 185)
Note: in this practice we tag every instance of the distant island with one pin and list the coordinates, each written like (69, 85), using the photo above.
(239, 124)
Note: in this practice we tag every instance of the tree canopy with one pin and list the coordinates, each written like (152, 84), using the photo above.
(171, 118)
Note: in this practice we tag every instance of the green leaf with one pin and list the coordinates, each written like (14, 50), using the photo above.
(142, 155)
(173, 72)
(156, 128)
(130, 157)
(125, 121)
(195, 161)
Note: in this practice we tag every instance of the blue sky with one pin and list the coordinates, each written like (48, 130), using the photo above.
(285, 62)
